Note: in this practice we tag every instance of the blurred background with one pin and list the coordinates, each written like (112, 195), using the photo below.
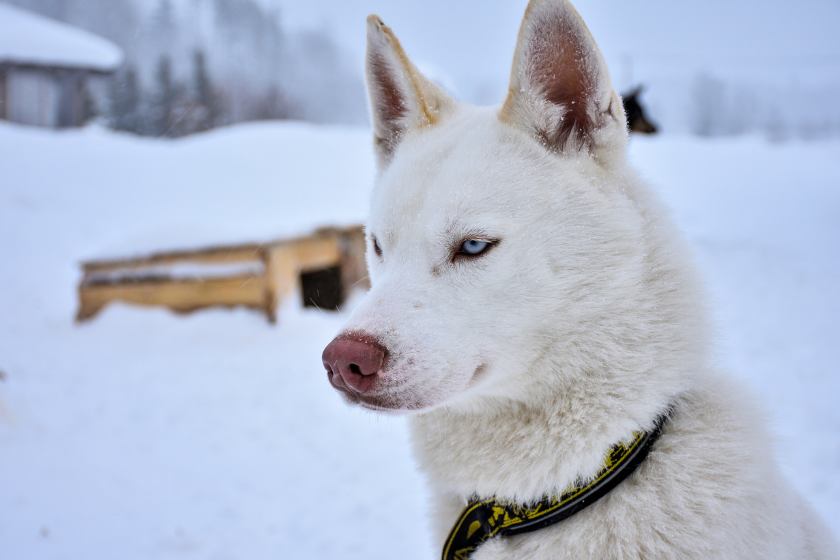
(138, 127)
(712, 69)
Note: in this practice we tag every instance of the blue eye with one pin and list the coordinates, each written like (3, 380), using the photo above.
(474, 247)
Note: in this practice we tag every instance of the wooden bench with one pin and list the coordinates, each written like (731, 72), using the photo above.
(325, 265)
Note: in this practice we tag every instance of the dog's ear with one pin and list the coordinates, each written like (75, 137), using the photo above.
(401, 98)
(560, 88)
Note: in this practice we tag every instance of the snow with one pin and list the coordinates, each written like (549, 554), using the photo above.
(29, 38)
(182, 271)
(144, 434)
(251, 183)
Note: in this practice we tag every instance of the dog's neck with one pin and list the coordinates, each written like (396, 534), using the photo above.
(488, 449)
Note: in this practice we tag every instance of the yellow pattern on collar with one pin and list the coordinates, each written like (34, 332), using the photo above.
(485, 519)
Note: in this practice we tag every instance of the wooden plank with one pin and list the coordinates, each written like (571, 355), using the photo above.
(311, 244)
(238, 253)
(314, 253)
(179, 295)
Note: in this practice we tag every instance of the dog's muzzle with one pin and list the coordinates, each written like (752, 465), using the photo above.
(352, 362)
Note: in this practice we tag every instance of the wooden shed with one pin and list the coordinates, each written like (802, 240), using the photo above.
(47, 69)
(323, 267)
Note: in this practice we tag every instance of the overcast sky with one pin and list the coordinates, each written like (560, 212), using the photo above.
(468, 44)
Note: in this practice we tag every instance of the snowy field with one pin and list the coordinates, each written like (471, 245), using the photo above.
(146, 435)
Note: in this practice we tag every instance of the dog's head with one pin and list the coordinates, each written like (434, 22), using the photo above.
(498, 239)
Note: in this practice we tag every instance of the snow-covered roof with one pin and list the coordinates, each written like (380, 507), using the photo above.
(29, 38)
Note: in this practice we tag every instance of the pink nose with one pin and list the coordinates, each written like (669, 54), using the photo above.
(352, 362)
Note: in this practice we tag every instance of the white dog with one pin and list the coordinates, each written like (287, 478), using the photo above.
(535, 310)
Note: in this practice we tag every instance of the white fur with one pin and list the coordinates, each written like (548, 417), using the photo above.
(525, 365)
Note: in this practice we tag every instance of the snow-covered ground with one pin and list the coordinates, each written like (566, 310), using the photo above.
(147, 435)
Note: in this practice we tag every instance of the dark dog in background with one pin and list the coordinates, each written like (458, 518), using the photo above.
(637, 121)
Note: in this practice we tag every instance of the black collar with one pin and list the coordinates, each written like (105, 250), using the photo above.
(487, 518)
